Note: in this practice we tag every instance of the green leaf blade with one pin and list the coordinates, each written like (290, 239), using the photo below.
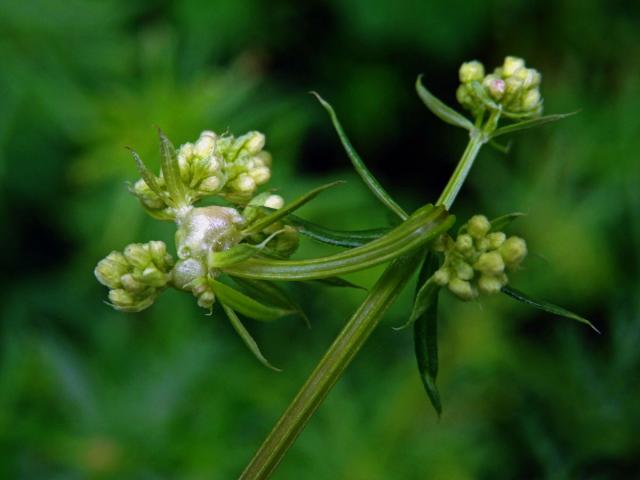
(280, 213)
(247, 338)
(171, 170)
(546, 306)
(534, 122)
(246, 305)
(440, 109)
(368, 178)
(337, 238)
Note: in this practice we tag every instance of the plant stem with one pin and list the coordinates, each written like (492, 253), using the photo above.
(478, 137)
(331, 367)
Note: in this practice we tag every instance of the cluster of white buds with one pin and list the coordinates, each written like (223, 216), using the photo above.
(246, 165)
(512, 87)
(287, 239)
(136, 276)
(478, 259)
(226, 166)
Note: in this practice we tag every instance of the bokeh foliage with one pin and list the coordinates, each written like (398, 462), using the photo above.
(86, 392)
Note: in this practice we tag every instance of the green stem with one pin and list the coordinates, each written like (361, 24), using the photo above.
(331, 367)
(478, 137)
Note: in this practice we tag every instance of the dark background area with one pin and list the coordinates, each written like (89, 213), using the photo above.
(87, 392)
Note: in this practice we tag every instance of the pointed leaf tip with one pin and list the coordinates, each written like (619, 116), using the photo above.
(546, 306)
(440, 109)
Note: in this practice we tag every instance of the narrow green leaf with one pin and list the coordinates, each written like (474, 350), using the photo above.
(170, 169)
(534, 122)
(279, 214)
(545, 306)
(423, 300)
(359, 165)
(504, 149)
(237, 253)
(246, 305)
(149, 178)
(425, 330)
(440, 109)
(337, 282)
(247, 338)
(500, 223)
(271, 294)
(339, 238)
(422, 227)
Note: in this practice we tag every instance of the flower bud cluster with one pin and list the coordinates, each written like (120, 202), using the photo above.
(226, 166)
(512, 87)
(478, 259)
(287, 238)
(136, 276)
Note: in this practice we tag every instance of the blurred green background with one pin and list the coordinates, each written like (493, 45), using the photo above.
(87, 392)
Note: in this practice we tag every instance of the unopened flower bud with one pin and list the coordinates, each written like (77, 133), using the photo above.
(210, 184)
(111, 268)
(255, 142)
(153, 277)
(478, 226)
(462, 289)
(490, 284)
(441, 276)
(511, 64)
(471, 71)
(496, 86)
(244, 183)
(513, 251)
(495, 239)
(531, 100)
(260, 175)
(463, 270)
(490, 263)
(274, 201)
(464, 243)
(206, 299)
(137, 254)
(186, 272)
(206, 144)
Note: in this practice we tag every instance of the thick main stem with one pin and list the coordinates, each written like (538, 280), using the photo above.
(331, 366)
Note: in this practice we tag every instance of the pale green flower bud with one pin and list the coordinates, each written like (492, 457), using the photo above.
(260, 175)
(495, 239)
(255, 142)
(211, 184)
(111, 268)
(529, 77)
(442, 276)
(490, 263)
(513, 251)
(127, 302)
(531, 100)
(206, 144)
(244, 184)
(495, 86)
(464, 243)
(471, 71)
(478, 226)
(286, 242)
(274, 201)
(510, 65)
(463, 270)
(206, 299)
(153, 277)
(490, 284)
(137, 254)
(186, 272)
(147, 196)
(462, 289)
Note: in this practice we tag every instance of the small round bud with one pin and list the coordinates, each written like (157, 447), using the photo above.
(471, 71)
(206, 299)
(510, 65)
(462, 289)
(244, 183)
(464, 243)
(490, 284)
(464, 97)
(495, 239)
(478, 226)
(205, 145)
(110, 269)
(137, 254)
(463, 270)
(274, 201)
(255, 143)
(529, 77)
(186, 271)
(490, 263)
(531, 100)
(513, 251)
(153, 277)
(441, 276)
(210, 184)
(260, 175)
(496, 86)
